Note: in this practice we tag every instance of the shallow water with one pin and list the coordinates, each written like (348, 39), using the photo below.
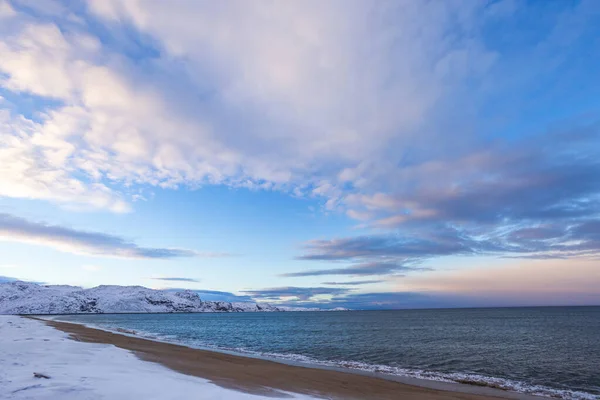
(551, 351)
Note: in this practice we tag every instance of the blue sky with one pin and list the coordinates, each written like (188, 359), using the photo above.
(338, 153)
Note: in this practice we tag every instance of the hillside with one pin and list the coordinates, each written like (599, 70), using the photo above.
(30, 298)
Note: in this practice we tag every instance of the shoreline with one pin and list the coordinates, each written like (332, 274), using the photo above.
(264, 376)
(39, 362)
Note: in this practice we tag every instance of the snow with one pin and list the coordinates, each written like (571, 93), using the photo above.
(86, 371)
(30, 298)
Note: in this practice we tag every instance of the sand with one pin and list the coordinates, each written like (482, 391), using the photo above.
(257, 376)
(92, 371)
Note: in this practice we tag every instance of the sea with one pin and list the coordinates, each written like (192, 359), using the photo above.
(546, 351)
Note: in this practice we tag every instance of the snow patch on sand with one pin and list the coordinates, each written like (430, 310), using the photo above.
(89, 371)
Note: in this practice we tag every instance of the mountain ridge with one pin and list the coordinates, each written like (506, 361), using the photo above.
(28, 298)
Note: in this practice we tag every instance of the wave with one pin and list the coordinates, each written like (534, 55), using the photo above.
(449, 377)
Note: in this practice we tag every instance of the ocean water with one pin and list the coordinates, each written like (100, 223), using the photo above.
(548, 351)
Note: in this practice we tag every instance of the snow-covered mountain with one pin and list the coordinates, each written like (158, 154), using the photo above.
(31, 298)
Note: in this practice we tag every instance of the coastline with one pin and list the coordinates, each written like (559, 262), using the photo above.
(263, 376)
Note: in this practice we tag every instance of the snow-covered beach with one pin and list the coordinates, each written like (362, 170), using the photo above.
(87, 363)
(90, 371)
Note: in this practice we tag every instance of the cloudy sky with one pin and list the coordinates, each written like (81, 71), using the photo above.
(341, 153)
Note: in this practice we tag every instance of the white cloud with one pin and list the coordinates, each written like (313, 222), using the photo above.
(38, 61)
(294, 89)
(35, 164)
(324, 99)
(6, 10)
(328, 80)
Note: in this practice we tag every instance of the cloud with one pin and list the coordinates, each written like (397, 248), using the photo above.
(419, 300)
(387, 254)
(6, 10)
(172, 279)
(441, 242)
(391, 300)
(16, 229)
(512, 283)
(353, 283)
(216, 295)
(361, 269)
(152, 95)
(554, 182)
(414, 118)
(537, 201)
(299, 293)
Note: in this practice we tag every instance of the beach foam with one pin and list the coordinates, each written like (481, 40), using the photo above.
(463, 378)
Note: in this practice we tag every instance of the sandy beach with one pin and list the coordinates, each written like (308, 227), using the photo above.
(269, 378)
(38, 362)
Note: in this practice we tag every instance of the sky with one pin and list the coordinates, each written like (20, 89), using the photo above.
(351, 153)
